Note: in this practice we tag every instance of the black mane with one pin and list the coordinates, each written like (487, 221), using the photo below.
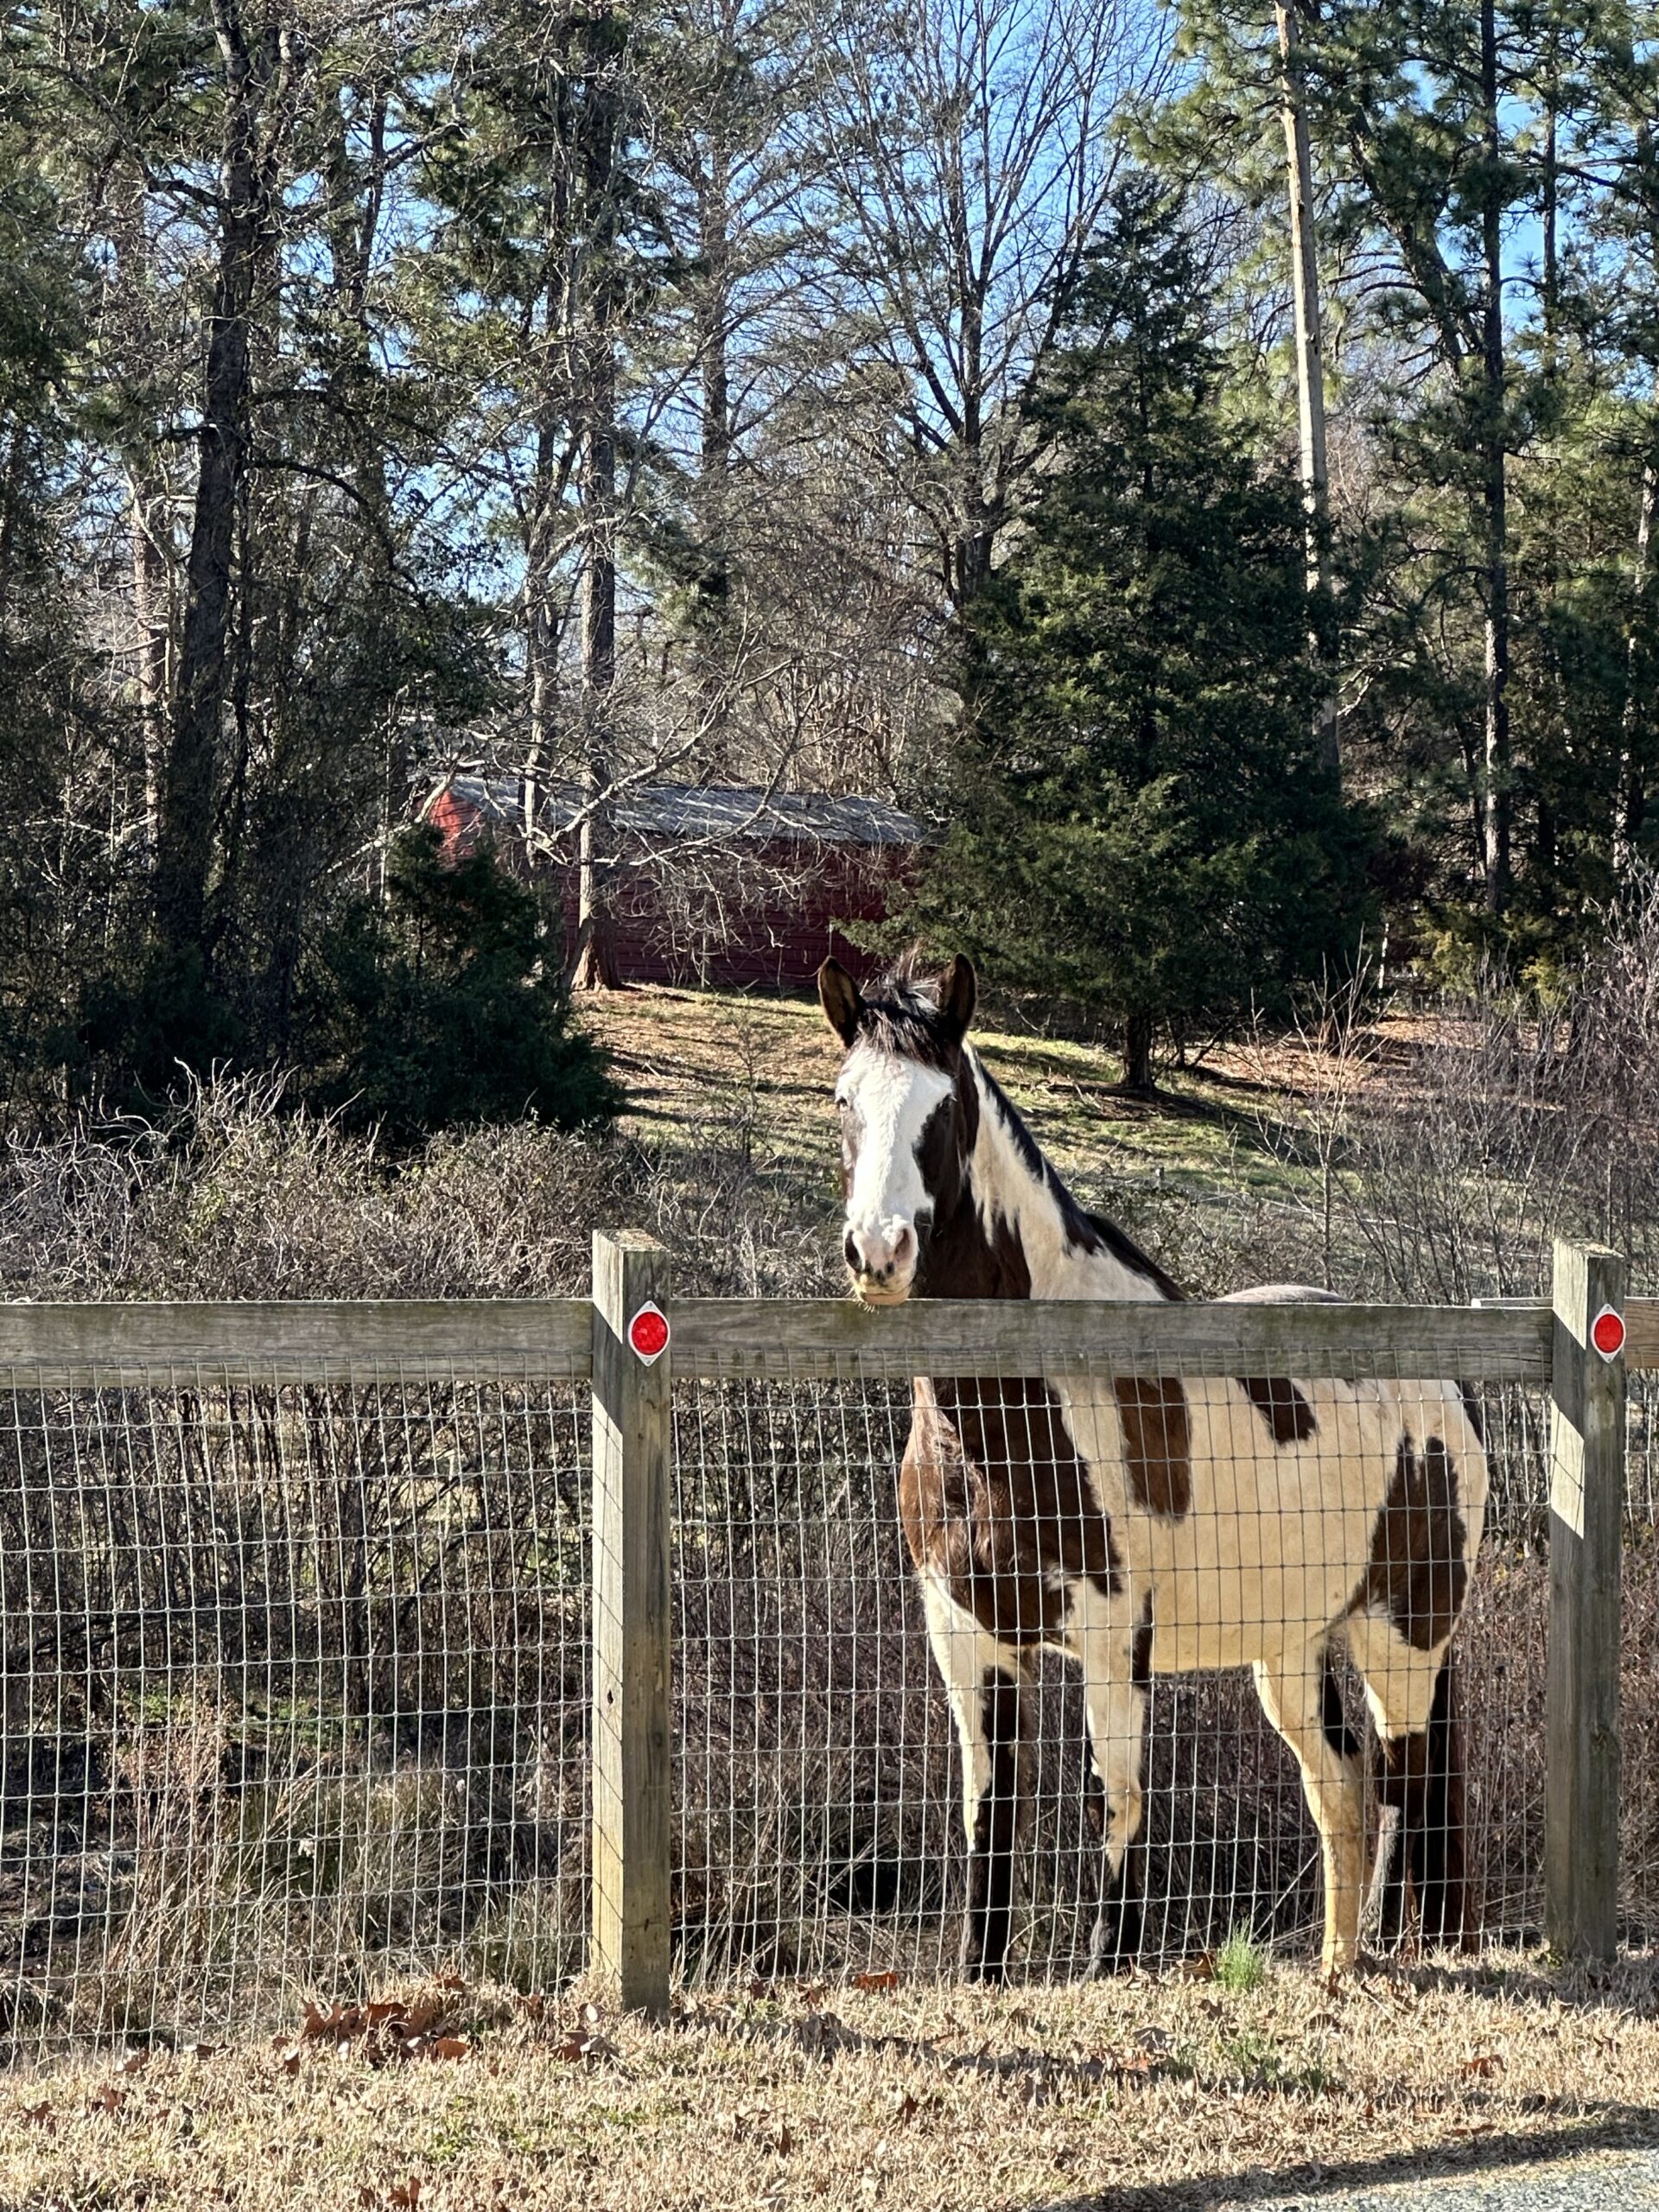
(902, 1016)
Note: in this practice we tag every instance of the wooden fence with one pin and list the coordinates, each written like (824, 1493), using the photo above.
(46, 1347)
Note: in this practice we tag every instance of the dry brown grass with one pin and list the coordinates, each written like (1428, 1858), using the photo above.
(1164, 2093)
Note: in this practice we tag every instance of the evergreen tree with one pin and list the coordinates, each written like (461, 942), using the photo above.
(1145, 824)
(445, 1003)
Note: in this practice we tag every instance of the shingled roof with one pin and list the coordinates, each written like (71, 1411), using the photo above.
(676, 813)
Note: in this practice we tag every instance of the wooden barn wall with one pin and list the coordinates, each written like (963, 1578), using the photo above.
(764, 917)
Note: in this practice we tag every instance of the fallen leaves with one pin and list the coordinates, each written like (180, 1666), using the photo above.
(583, 2043)
(579, 2046)
(1483, 2063)
(880, 1984)
(754, 2124)
(384, 2029)
(403, 2195)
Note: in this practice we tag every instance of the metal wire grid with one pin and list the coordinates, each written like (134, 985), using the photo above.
(818, 1777)
(293, 1692)
(294, 1688)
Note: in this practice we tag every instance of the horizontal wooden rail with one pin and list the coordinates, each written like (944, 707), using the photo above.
(54, 1346)
(324, 1340)
(1642, 1321)
(717, 1336)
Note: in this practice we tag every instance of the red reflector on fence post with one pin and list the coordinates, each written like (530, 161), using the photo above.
(648, 1333)
(1607, 1332)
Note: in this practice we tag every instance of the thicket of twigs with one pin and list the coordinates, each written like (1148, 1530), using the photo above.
(1444, 1168)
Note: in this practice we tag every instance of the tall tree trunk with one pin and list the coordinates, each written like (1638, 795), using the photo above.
(184, 831)
(1494, 441)
(1641, 648)
(1631, 800)
(714, 585)
(1310, 371)
(1137, 1052)
(11, 492)
(550, 477)
(151, 624)
(1545, 825)
(148, 534)
(595, 963)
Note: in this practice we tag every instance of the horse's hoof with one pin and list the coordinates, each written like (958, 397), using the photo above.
(989, 1973)
(1106, 1966)
(1108, 1956)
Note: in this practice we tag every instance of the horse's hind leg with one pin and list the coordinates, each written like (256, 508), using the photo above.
(1420, 1773)
(1298, 1696)
(980, 1678)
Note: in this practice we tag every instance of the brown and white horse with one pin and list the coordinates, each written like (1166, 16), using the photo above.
(1147, 1526)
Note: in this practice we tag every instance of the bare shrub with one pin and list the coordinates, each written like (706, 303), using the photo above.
(1445, 1173)
(235, 1197)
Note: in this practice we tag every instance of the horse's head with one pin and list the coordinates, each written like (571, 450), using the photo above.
(909, 1118)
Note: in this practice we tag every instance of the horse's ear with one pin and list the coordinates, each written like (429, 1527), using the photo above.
(838, 995)
(958, 991)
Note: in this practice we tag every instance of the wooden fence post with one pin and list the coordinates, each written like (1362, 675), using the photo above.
(632, 1783)
(1586, 1501)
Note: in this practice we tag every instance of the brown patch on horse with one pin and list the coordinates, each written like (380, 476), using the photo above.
(1418, 1572)
(1157, 1444)
(996, 1503)
(1281, 1405)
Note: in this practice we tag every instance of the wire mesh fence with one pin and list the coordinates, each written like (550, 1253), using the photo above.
(293, 1692)
(296, 1680)
(819, 1778)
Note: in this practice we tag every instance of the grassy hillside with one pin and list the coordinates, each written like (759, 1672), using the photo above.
(1197, 1172)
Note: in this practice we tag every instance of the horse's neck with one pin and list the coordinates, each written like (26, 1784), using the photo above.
(1026, 1201)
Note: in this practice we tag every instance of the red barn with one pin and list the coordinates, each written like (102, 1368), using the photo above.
(711, 883)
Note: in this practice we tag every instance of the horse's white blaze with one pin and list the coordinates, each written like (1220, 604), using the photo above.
(892, 1100)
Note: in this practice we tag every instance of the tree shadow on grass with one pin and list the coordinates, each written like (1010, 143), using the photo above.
(1631, 1985)
(1625, 2127)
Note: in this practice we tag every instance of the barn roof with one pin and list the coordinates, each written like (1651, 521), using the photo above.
(677, 812)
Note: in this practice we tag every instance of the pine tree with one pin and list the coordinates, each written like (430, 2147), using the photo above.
(1145, 824)
(444, 1003)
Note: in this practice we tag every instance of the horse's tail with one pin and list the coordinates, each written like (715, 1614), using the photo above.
(1437, 1842)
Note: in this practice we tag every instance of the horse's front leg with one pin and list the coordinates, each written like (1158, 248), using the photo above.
(981, 1681)
(1113, 1640)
